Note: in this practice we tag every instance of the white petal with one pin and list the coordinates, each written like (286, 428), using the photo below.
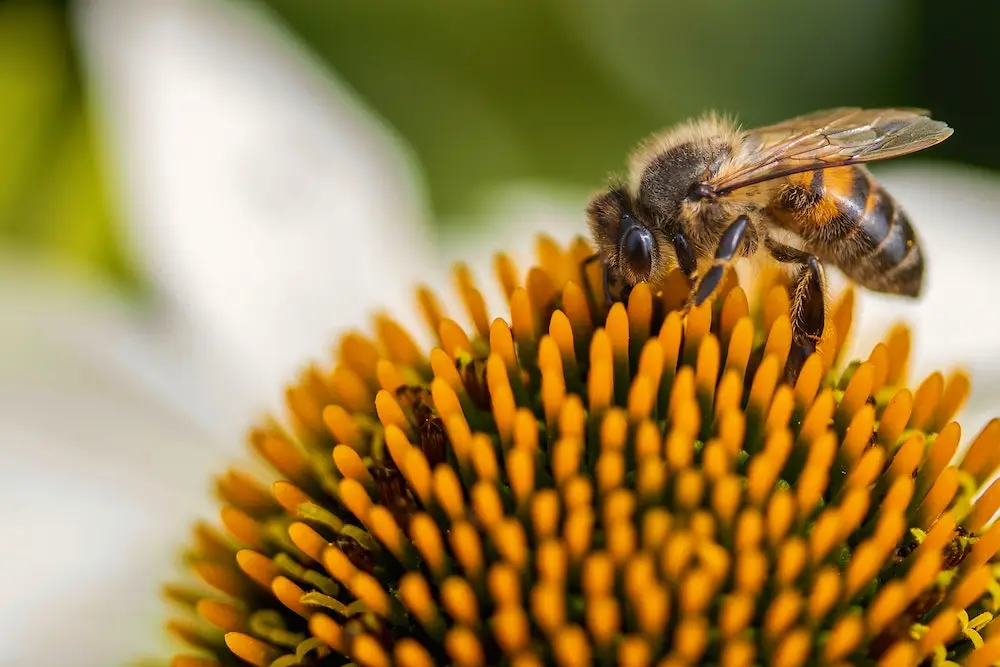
(112, 436)
(102, 478)
(509, 220)
(955, 321)
(270, 209)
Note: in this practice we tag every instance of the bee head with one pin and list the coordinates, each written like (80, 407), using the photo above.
(624, 242)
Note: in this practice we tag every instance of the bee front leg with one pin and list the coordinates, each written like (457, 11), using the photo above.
(729, 246)
(808, 308)
(614, 287)
(686, 260)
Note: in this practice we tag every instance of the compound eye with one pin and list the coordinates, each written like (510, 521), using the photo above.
(637, 247)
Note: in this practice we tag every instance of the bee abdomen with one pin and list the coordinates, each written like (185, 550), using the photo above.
(895, 263)
(848, 219)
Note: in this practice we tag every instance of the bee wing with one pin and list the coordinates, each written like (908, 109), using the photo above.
(835, 137)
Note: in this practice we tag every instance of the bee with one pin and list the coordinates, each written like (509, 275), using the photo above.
(705, 194)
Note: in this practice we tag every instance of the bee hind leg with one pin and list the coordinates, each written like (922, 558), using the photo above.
(808, 307)
(725, 254)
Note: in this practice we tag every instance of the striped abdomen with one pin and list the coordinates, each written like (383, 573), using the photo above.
(850, 221)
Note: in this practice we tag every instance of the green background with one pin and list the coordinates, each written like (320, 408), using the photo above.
(494, 92)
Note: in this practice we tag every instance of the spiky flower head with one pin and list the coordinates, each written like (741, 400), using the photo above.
(626, 485)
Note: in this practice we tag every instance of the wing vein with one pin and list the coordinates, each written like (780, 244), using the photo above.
(836, 137)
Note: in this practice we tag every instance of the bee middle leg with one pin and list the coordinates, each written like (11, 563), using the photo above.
(808, 307)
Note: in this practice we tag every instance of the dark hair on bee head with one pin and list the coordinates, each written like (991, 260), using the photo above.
(604, 212)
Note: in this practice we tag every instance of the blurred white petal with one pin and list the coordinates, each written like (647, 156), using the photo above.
(102, 476)
(509, 220)
(270, 209)
(118, 460)
(272, 215)
(955, 323)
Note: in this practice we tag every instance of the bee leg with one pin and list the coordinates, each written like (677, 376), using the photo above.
(614, 290)
(590, 259)
(686, 260)
(729, 245)
(808, 308)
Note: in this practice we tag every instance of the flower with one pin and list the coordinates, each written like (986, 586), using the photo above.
(585, 485)
(115, 415)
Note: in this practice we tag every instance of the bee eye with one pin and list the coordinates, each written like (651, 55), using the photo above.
(637, 248)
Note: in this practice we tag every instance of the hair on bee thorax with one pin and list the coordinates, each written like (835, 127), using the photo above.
(664, 167)
(604, 215)
(702, 136)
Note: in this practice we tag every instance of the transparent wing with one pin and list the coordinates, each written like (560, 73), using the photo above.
(830, 138)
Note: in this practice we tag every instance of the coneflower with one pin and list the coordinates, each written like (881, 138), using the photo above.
(583, 484)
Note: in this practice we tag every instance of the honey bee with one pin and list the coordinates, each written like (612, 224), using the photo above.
(705, 193)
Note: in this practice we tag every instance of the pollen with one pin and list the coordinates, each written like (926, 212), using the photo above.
(575, 482)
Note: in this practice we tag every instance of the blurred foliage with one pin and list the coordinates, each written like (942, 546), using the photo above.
(54, 201)
(494, 92)
(954, 72)
(560, 90)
